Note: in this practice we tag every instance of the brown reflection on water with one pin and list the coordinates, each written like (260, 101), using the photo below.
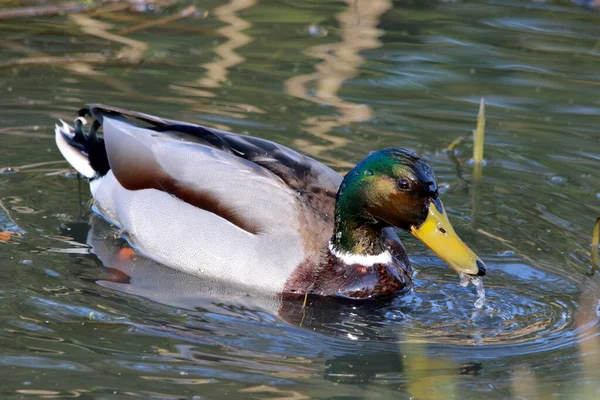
(589, 342)
(524, 383)
(527, 385)
(132, 49)
(422, 383)
(341, 61)
(218, 70)
(52, 394)
(180, 381)
(281, 394)
(82, 64)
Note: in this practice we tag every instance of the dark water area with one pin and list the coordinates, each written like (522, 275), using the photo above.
(335, 80)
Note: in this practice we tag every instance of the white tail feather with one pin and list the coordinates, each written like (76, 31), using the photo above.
(78, 160)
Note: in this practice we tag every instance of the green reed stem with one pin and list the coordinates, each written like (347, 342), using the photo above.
(478, 136)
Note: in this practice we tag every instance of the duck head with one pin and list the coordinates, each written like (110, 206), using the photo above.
(395, 187)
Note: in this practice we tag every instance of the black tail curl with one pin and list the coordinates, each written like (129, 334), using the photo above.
(89, 143)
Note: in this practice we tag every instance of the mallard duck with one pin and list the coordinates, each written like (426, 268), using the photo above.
(250, 211)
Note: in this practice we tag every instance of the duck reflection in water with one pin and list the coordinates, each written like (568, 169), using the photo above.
(357, 363)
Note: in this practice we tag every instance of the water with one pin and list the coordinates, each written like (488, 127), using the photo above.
(478, 283)
(335, 80)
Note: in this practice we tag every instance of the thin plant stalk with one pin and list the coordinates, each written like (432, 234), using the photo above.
(478, 136)
(478, 139)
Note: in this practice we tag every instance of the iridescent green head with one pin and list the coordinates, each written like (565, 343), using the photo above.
(389, 187)
(395, 187)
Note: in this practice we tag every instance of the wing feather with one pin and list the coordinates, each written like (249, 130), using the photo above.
(235, 189)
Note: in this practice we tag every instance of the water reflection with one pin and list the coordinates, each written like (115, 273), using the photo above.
(516, 315)
(341, 61)
(217, 71)
(416, 372)
(588, 339)
(348, 361)
(538, 336)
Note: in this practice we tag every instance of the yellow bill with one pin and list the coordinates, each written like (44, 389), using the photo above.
(437, 233)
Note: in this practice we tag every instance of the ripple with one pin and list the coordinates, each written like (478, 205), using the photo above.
(527, 309)
(41, 363)
(533, 25)
(509, 316)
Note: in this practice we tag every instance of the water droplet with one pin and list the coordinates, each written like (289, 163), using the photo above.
(507, 253)
(479, 302)
(26, 262)
(368, 172)
(8, 170)
(483, 162)
(317, 30)
(558, 179)
(478, 283)
(338, 235)
(54, 274)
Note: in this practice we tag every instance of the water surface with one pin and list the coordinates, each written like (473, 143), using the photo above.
(333, 79)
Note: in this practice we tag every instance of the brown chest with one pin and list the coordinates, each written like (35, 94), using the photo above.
(332, 277)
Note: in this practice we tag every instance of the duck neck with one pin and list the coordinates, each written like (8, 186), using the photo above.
(353, 236)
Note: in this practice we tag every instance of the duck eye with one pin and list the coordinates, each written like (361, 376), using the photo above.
(403, 184)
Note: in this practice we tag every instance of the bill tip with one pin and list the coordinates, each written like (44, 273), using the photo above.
(481, 268)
